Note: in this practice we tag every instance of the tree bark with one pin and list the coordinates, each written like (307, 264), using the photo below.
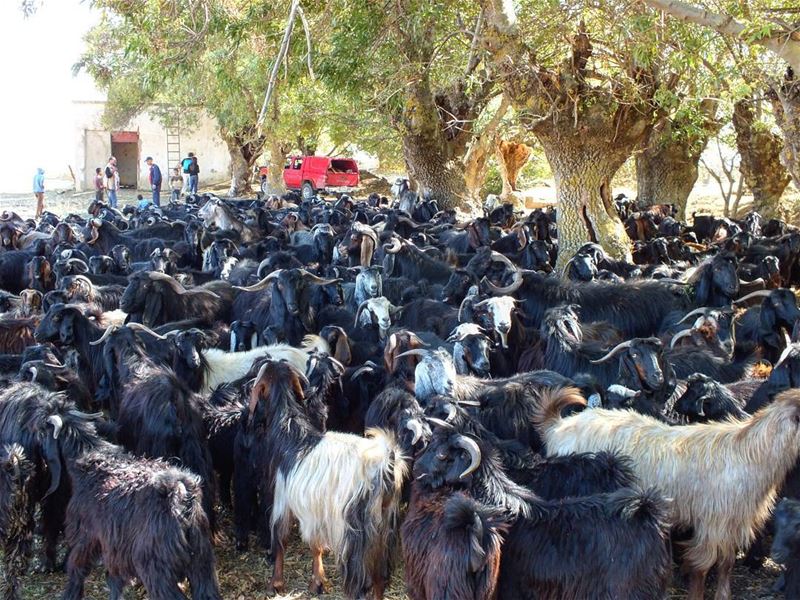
(277, 158)
(244, 149)
(511, 157)
(760, 165)
(439, 177)
(583, 174)
(785, 100)
(667, 169)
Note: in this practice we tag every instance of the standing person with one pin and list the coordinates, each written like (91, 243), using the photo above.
(155, 180)
(99, 184)
(38, 191)
(112, 181)
(194, 172)
(176, 183)
(185, 168)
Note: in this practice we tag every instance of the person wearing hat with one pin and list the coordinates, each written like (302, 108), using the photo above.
(155, 180)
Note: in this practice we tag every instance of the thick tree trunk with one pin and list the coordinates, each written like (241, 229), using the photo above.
(760, 166)
(277, 159)
(585, 210)
(439, 177)
(785, 101)
(667, 168)
(511, 157)
(244, 150)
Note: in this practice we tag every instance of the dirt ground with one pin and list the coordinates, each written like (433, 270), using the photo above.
(243, 576)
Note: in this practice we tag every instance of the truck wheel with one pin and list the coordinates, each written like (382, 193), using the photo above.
(307, 190)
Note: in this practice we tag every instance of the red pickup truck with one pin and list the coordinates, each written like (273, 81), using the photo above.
(312, 174)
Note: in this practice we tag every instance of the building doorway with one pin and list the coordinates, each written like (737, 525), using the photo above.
(125, 147)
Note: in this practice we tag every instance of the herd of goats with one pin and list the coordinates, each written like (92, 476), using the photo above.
(396, 382)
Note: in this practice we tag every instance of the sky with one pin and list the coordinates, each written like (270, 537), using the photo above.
(36, 125)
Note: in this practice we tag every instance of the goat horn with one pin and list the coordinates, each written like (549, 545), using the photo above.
(57, 422)
(414, 338)
(414, 427)
(758, 281)
(413, 352)
(34, 373)
(394, 247)
(105, 335)
(696, 311)
(257, 287)
(784, 356)
(756, 294)
(673, 281)
(497, 257)
(140, 327)
(510, 288)
(614, 351)
(451, 412)
(318, 280)
(361, 307)
(368, 366)
(679, 335)
(474, 451)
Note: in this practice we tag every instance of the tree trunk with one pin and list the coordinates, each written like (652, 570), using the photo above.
(585, 210)
(785, 101)
(244, 149)
(760, 166)
(277, 159)
(667, 168)
(511, 157)
(439, 177)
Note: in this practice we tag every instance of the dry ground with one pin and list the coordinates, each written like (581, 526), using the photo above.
(244, 576)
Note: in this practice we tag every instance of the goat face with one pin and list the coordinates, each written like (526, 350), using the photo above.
(58, 325)
(643, 361)
(724, 275)
(434, 375)
(78, 288)
(40, 276)
(99, 265)
(582, 267)
(498, 313)
(778, 310)
(122, 258)
(699, 390)
(449, 459)
(455, 290)
(49, 376)
(189, 344)
(369, 280)
(134, 298)
(338, 342)
(562, 323)
(9, 236)
(164, 260)
(243, 336)
(376, 311)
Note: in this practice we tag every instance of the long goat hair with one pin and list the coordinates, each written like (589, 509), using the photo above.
(722, 476)
(344, 490)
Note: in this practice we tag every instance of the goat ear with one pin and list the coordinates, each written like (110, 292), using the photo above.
(152, 308)
(297, 386)
(703, 290)
(367, 249)
(342, 352)
(477, 554)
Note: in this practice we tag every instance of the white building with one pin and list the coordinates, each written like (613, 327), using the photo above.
(144, 136)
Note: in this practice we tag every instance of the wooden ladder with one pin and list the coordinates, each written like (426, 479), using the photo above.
(174, 144)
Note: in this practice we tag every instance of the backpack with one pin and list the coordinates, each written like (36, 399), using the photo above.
(109, 172)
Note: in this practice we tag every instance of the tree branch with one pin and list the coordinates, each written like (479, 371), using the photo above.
(781, 44)
(287, 35)
(307, 30)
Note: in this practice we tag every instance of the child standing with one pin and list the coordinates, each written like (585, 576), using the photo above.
(99, 184)
(176, 183)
